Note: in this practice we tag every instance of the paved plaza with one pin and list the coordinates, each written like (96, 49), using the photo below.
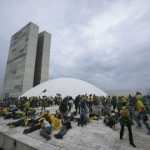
(94, 136)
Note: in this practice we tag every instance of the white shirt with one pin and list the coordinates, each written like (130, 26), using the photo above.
(45, 124)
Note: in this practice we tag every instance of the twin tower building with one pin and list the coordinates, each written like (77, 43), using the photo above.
(28, 60)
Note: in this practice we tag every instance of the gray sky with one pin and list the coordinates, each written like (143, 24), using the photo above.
(104, 42)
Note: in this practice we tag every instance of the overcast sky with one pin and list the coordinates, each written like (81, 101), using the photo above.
(104, 42)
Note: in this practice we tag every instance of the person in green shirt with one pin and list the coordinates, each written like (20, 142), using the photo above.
(125, 120)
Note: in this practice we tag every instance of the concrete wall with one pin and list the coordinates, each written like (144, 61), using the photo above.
(9, 143)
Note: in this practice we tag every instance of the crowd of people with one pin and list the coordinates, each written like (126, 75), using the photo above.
(127, 111)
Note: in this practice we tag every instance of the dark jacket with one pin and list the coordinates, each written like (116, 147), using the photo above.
(63, 107)
(67, 124)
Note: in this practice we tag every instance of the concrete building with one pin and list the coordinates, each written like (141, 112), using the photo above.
(28, 60)
(42, 58)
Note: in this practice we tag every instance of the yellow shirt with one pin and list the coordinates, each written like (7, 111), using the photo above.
(124, 113)
(55, 121)
(139, 106)
(92, 97)
(27, 104)
(5, 111)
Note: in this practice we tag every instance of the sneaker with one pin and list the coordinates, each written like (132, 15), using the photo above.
(132, 144)
(11, 126)
(139, 126)
(48, 138)
(58, 136)
(148, 133)
(25, 131)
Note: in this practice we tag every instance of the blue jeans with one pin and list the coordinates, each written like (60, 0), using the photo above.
(63, 130)
(147, 125)
(139, 117)
(134, 114)
(45, 132)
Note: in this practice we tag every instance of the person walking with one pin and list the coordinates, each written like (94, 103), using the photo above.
(141, 113)
(125, 120)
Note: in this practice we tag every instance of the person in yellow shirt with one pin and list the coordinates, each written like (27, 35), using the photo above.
(140, 107)
(141, 112)
(27, 106)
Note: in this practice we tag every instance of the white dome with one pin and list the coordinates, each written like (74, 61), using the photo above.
(65, 86)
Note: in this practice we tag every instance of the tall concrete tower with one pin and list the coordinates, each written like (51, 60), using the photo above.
(28, 60)
(42, 58)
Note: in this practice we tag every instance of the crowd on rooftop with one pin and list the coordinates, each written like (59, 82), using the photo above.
(127, 111)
